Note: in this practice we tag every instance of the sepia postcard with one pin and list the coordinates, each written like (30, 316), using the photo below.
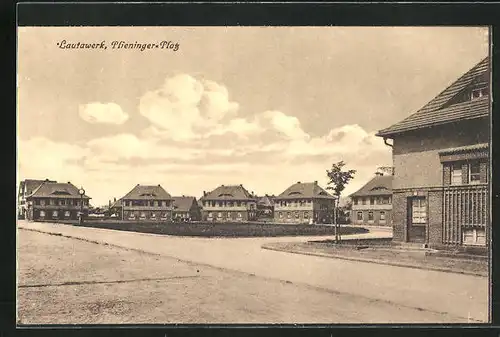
(253, 175)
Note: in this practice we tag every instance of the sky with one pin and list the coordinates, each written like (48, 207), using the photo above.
(260, 106)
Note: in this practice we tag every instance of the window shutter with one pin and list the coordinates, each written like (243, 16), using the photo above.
(446, 174)
(465, 173)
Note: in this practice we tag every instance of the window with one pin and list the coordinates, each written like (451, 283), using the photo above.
(62, 202)
(213, 203)
(143, 215)
(219, 215)
(164, 215)
(228, 214)
(230, 204)
(372, 200)
(281, 215)
(243, 203)
(153, 215)
(355, 201)
(37, 201)
(419, 212)
(474, 236)
(288, 215)
(156, 203)
(382, 216)
(474, 173)
(239, 215)
(363, 201)
(296, 215)
(370, 216)
(42, 202)
(480, 92)
(456, 174)
(55, 214)
(67, 214)
(210, 214)
(360, 216)
(164, 203)
(306, 215)
(42, 214)
(219, 204)
(238, 203)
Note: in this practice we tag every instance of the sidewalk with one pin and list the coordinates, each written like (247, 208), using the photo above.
(411, 258)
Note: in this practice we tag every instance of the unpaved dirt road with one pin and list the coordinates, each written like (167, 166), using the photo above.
(64, 280)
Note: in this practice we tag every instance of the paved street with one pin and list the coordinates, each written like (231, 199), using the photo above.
(323, 290)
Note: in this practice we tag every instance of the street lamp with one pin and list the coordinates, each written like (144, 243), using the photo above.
(81, 191)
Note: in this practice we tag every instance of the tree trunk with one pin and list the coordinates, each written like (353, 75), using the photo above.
(335, 221)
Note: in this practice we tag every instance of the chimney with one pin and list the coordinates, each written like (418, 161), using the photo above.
(204, 193)
(315, 182)
(69, 182)
(298, 182)
(379, 174)
(114, 199)
(109, 203)
(46, 179)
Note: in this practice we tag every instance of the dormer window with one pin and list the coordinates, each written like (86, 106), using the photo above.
(479, 92)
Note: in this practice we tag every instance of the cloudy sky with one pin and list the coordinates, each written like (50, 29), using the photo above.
(261, 106)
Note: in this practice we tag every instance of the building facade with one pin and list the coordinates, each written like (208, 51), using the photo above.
(231, 203)
(56, 201)
(304, 203)
(441, 160)
(186, 209)
(145, 203)
(26, 188)
(372, 203)
(265, 208)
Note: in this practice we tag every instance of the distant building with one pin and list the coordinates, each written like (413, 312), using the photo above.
(265, 207)
(145, 203)
(26, 187)
(231, 203)
(372, 203)
(56, 201)
(304, 203)
(441, 157)
(186, 209)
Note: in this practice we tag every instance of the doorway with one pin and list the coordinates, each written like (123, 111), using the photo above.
(417, 219)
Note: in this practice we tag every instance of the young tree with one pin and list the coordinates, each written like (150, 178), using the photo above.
(337, 183)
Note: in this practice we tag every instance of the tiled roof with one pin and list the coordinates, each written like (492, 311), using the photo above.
(266, 201)
(32, 184)
(57, 190)
(230, 192)
(146, 192)
(441, 110)
(379, 185)
(483, 146)
(184, 204)
(305, 190)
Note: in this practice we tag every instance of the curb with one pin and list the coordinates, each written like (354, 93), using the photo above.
(367, 260)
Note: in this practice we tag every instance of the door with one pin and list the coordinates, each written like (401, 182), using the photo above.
(417, 219)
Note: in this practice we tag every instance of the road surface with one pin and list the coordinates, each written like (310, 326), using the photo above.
(305, 289)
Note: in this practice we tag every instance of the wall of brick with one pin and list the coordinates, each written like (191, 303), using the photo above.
(435, 217)
(399, 216)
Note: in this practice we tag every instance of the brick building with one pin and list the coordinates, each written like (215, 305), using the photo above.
(441, 160)
(55, 201)
(26, 187)
(231, 203)
(145, 202)
(186, 209)
(372, 203)
(304, 203)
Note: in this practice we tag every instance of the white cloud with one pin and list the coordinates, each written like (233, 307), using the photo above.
(107, 113)
(184, 107)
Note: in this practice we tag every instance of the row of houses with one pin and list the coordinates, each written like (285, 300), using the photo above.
(436, 194)
(300, 203)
